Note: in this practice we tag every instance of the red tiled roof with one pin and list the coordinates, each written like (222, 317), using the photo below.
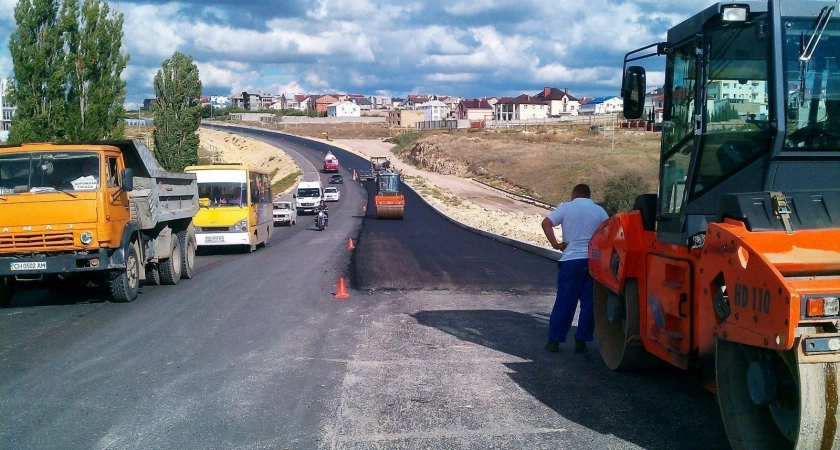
(476, 104)
(555, 94)
(523, 99)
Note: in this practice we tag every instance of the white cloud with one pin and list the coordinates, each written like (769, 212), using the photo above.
(451, 77)
(494, 51)
(292, 87)
(153, 30)
(214, 75)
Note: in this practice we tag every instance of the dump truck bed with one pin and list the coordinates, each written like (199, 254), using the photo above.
(158, 196)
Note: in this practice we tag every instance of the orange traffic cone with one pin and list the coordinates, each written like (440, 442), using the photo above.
(350, 245)
(342, 290)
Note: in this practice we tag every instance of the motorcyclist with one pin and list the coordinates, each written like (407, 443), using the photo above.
(322, 207)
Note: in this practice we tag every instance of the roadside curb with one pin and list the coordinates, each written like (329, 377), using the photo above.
(528, 247)
(515, 196)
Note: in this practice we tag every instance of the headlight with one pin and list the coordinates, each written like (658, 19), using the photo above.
(242, 225)
(86, 238)
(822, 305)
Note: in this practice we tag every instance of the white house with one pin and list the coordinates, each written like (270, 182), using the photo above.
(434, 110)
(343, 109)
(602, 105)
(474, 110)
(7, 110)
(524, 107)
(560, 102)
(379, 102)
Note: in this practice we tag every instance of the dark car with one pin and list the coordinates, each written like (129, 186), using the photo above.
(336, 179)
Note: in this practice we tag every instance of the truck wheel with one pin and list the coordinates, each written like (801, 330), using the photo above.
(188, 246)
(152, 274)
(7, 291)
(170, 269)
(124, 284)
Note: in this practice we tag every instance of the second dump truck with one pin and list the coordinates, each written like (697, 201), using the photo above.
(103, 212)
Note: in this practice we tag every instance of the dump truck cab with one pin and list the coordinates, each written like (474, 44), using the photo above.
(732, 267)
(56, 199)
(102, 211)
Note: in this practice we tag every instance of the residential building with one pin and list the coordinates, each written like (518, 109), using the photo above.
(560, 102)
(474, 110)
(343, 109)
(522, 108)
(746, 98)
(413, 100)
(602, 105)
(451, 102)
(294, 101)
(379, 102)
(364, 103)
(7, 111)
(148, 104)
(433, 110)
(404, 118)
(397, 102)
(655, 104)
(320, 103)
(219, 101)
(248, 101)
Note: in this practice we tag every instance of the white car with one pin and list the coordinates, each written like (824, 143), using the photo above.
(331, 194)
(284, 213)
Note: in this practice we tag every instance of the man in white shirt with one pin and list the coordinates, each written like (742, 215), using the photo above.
(578, 220)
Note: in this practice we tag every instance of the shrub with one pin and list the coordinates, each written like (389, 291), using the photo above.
(621, 191)
(285, 183)
(403, 140)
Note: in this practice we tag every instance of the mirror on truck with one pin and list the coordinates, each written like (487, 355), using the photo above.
(633, 92)
(127, 176)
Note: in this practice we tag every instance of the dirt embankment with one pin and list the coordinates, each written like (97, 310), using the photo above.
(545, 165)
(430, 157)
(223, 147)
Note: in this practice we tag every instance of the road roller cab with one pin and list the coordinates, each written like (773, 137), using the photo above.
(733, 267)
(389, 202)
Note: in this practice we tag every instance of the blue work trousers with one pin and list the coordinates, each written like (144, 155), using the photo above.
(573, 284)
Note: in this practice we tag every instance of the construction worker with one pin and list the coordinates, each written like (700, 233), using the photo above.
(578, 220)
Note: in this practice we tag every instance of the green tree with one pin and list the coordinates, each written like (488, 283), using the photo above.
(67, 67)
(40, 68)
(96, 94)
(177, 113)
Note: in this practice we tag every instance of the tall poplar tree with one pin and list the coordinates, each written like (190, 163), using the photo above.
(67, 67)
(96, 93)
(40, 68)
(177, 112)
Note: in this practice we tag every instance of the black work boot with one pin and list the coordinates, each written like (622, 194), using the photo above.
(580, 347)
(552, 347)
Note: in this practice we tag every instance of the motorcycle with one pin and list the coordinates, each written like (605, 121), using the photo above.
(321, 220)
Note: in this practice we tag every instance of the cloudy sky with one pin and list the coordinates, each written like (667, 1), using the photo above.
(467, 48)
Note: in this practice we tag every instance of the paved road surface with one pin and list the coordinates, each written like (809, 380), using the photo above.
(255, 353)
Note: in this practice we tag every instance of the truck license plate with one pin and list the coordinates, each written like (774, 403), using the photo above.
(35, 265)
(214, 238)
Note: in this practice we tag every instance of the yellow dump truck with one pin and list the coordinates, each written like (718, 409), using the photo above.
(103, 212)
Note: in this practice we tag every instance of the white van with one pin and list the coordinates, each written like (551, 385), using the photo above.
(309, 194)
